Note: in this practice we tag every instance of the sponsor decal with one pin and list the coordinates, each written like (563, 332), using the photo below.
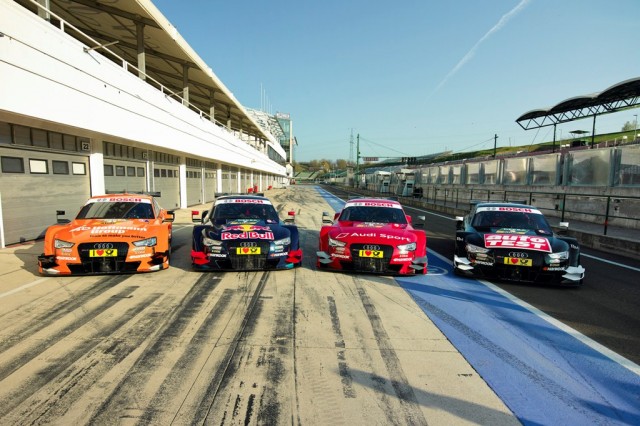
(511, 231)
(116, 229)
(555, 269)
(378, 254)
(370, 225)
(246, 236)
(65, 250)
(340, 256)
(119, 200)
(395, 237)
(526, 242)
(80, 228)
(67, 258)
(279, 254)
(247, 250)
(508, 209)
(480, 262)
(103, 253)
(401, 259)
(246, 228)
(243, 201)
(373, 204)
(516, 261)
(138, 256)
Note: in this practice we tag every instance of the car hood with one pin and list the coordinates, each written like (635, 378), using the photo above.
(123, 228)
(369, 231)
(507, 238)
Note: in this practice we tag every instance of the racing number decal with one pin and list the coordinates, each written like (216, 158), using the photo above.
(371, 253)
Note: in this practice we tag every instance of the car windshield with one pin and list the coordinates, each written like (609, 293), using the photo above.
(373, 214)
(234, 211)
(513, 220)
(116, 210)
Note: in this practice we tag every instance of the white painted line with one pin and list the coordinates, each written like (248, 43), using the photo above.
(611, 262)
(23, 287)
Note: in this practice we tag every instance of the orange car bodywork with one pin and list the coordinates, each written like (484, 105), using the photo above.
(105, 246)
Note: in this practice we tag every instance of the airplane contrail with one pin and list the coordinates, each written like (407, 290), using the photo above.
(501, 23)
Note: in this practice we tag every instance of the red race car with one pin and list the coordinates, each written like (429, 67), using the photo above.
(372, 235)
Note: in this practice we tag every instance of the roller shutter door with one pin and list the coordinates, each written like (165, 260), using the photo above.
(34, 185)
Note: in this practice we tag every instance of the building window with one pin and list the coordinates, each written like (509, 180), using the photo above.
(60, 167)
(119, 170)
(108, 170)
(69, 143)
(40, 138)
(38, 167)
(131, 171)
(55, 140)
(22, 135)
(141, 171)
(79, 169)
(12, 165)
(5, 133)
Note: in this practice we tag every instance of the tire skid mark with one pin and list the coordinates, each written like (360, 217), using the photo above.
(197, 344)
(8, 368)
(172, 325)
(343, 367)
(403, 390)
(229, 361)
(53, 314)
(55, 370)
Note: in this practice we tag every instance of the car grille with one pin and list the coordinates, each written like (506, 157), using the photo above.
(248, 262)
(103, 265)
(370, 264)
(532, 273)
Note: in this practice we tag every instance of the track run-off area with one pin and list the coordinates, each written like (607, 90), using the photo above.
(298, 346)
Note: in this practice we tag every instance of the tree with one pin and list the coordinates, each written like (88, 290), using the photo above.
(629, 126)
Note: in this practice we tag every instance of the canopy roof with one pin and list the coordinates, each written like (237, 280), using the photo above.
(618, 97)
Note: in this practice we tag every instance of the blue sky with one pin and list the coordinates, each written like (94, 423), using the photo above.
(414, 77)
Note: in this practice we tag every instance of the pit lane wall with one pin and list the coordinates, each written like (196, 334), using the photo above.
(74, 123)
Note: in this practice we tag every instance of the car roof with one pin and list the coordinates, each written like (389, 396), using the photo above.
(373, 200)
(241, 196)
(122, 195)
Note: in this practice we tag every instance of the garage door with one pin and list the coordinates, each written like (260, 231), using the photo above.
(166, 181)
(125, 176)
(34, 185)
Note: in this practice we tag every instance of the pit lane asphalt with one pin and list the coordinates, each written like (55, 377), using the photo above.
(324, 362)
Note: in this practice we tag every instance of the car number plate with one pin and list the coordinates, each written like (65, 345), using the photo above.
(514, 261)
(371, 253)
(248, 250)
(103, 253)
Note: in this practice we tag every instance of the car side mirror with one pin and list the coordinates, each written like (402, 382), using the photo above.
(196, 217)
(170, 216)
(459, 223)
(563, 227)
(291, 217)
(59, 219)
(420, 223)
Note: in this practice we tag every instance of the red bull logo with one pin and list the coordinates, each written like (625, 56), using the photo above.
(247, 228)
(247, 236)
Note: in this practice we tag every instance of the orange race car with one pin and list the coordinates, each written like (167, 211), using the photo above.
(114, 233)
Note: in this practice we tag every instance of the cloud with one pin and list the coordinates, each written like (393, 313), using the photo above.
(497, 27)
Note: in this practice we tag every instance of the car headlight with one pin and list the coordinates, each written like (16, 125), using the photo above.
(282, 242)
(405, 248)
(62, 244)
(210, 242)
(336, 243)
(562, 255)
(149, 242)
(476, 249)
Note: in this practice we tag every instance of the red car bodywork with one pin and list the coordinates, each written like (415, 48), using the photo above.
(373, 235)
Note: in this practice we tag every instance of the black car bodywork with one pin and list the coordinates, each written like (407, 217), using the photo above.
(514, 242)
(244, 232)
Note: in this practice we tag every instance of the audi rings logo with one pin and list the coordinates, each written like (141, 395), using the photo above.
(103, 246)
(371, 247)
(518, 255)
(249, 244)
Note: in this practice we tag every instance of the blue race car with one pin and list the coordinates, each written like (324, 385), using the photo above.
(244, 233)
